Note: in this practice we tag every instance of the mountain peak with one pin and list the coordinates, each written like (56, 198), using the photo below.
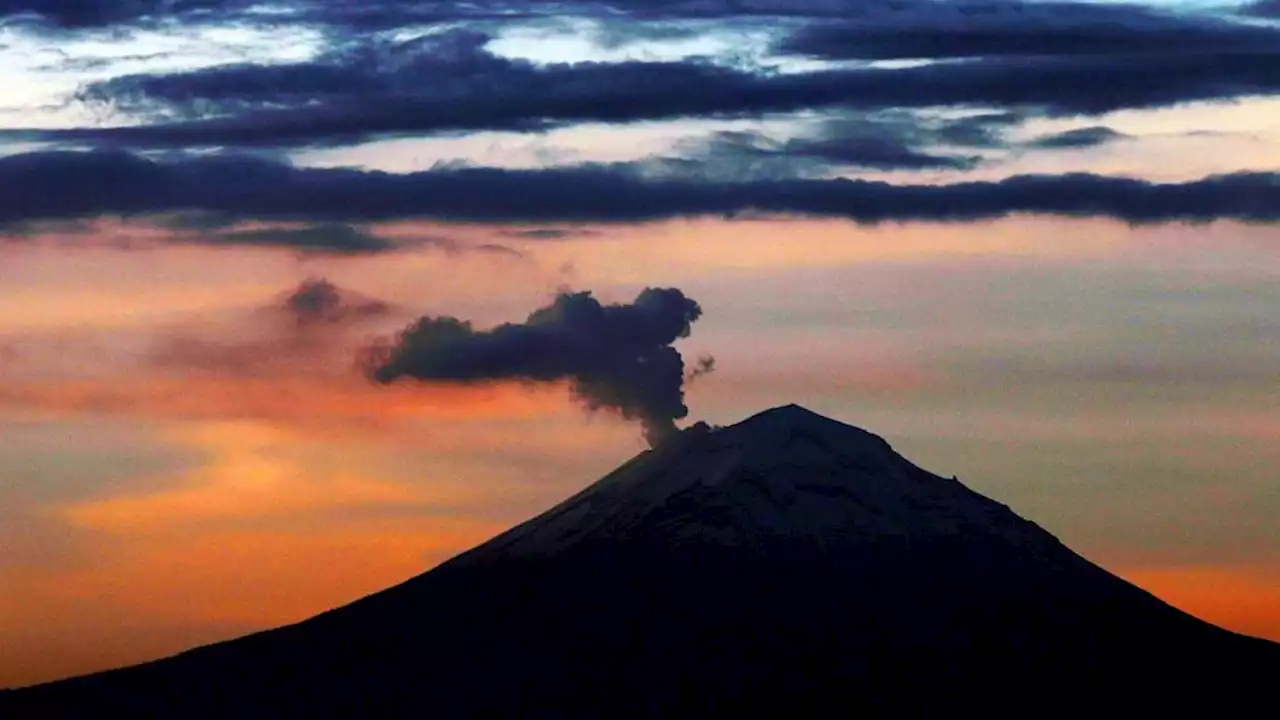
(785, 565)
(784, 417)
(785, 474)
(788, 426)
(790, 414)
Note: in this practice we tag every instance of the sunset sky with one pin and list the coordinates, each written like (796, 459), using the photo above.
(1033, 245)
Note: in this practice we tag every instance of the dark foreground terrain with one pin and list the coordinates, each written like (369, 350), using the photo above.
(789, 565)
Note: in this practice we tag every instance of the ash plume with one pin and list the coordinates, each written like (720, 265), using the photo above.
(705, 365)
(312, 326)
(617, 357)
(318, 301)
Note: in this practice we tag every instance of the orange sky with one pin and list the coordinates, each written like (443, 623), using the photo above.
(1111, 388)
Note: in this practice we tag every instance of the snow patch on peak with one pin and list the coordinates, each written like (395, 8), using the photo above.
(782, 426)
(784, 473)
(791, 413)
(790, 417)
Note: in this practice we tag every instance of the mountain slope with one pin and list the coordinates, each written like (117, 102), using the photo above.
(787, 564)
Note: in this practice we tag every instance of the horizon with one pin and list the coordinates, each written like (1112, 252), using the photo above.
(302, 299)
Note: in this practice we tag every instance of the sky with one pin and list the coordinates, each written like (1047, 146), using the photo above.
(301, 298)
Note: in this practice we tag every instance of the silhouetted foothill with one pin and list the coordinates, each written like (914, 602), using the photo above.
(785, 566)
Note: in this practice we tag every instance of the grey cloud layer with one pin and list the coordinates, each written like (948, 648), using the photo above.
(1009, 61)
(887, 141)
(363, 14)
(1264, 8)
(1078, 138)
(367, 14)
(348, 100)
(57, 186)
(325, 237)
(1055, 58)
(995, 29)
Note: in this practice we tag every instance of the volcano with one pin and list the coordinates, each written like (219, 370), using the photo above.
(787, 565)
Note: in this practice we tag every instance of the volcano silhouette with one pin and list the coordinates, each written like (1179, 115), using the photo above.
(788, 565)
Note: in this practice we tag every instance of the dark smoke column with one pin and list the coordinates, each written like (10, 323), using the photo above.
(617, 357)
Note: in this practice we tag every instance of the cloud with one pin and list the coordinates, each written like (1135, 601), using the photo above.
(318, 301)
(308, 330)
(55, 185)
(367, 14)
(500, 250)
(616, 357)
(288, 363)
(350, 71)
(384, 14)
(82, 13)
(194, 220)
(306, 240)
(874, 142)
(992, 29)
(1264, 8)
(978, 130)
(324, 237)
(222, 230)
(855, 145)
(326, 406)
(1078, 138)
(29, 230)
(549, 233)
(450, 81)
(705, 365)
(336, 238)
(525, 97)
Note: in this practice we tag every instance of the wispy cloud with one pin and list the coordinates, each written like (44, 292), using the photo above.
(1077, 138)
(289, 363)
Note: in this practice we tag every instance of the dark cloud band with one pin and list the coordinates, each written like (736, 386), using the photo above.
(353, 14)
(377, 14)
(1264, 8)
(529, 98)
(1078, 138)
(1029, 29)
(449, 81)
(58, 186)
(1057, 58)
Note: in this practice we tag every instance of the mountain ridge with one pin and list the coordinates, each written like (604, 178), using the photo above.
(786, 562)
(753, 446)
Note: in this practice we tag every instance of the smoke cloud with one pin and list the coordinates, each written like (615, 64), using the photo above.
(311, 328)
(318, 301)
(617, 357)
